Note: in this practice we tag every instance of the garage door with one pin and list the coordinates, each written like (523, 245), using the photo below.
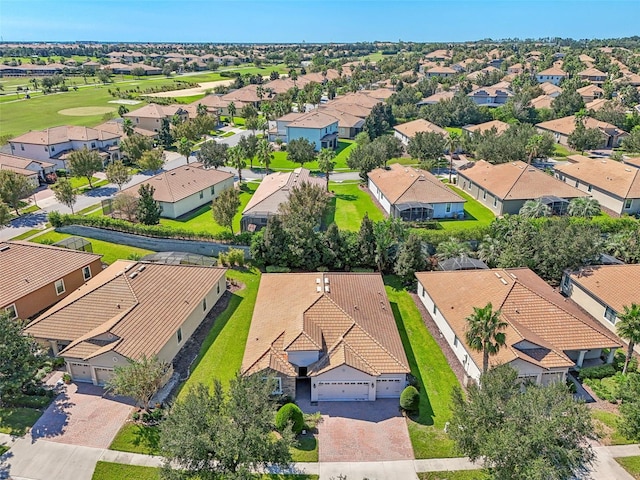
(389, 387)
(81, 372)
(343, 391)
(103, 375)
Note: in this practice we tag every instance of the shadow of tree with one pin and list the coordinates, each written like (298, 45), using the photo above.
(147, 436)
(54, 420)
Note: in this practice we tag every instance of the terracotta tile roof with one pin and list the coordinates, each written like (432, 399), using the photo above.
(359, 98)
(607, 175)
(585, 58)
(313, 119)
(549, 88)
(379, 93)
(182, 182)
(442, 70)
(592, 72)
(614, 285)
(351, 109)
(248, 94)
(215, 101)
(348, 312)
(534, 312)
(402, 184)
(438, 96)
(596, 104)
(274, 189)
(410, 129)
(154, 110)
(130, 316)
(26, 267)
(499, 126)
(517, 181)
(345, 120)
(553, 71)
(22, 163)
(65, 133)
(19, 171)
(116, 128)
(590, 90)
(281, 85)
(566, 125)
(633, 161)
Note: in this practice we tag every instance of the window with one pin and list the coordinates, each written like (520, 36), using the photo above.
(93, 145)
(464, 185)
(627, 203)
(218, 289)
(455, 341)
(86, 272)
(610, 314)
(495, 201)
(11, 311)
(589, 188)
(484, 194)
(53, 149)
(577, 183)
(22, 146)
(201, 194)
(277, 384)
(435, 309)
(448, 207)
(60, 286)
(204, 304)
(179, 335)
(213, 190)
(46, 149)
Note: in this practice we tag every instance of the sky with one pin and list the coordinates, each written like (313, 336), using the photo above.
(295, 21)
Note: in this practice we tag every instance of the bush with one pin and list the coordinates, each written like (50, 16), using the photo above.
(290, 414)
(57, 362)
(597, 372)
(21, 400)
(619, 359)
(410, 400)
(277, 269)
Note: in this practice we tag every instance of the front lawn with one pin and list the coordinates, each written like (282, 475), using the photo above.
(631, 465)
(457, 475)
(348, 206)
(78, 182)
(137, 439)
(222, 351)
(201, 220)
(281, 162)
(476, 214)
(110, 251)
(18, 420)
(306, 449)
(432, 371)
(606, 424)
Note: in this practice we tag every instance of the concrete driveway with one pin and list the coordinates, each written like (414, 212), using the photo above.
(83, 415)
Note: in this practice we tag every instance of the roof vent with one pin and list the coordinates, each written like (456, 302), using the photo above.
(318, 281)
(133, 275)
(319, 288)
(627, 169)
(4, 248)
(141, 268)
(326, 289)
(513, 275)
(497, 274)
(326, 280)
(503, 281)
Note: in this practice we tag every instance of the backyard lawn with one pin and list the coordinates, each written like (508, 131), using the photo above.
(280, 161)
(348, 206)
(476, 214)
(202, 220)
(110, 251)
(16, 421)
(631, 465)
(432, 371)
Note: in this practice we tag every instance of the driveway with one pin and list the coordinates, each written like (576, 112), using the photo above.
(82, 415)
(359, 431)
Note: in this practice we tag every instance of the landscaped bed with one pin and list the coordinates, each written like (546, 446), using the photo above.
(457, 475)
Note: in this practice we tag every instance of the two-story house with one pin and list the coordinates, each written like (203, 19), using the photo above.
(318, 128)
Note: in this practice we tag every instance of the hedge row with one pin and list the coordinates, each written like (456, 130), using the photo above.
(158, 231)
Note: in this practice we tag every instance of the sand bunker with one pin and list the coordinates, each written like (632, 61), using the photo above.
(86, 111)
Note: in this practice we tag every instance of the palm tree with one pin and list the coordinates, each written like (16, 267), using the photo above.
(628, 327)
(452, 248)
(265, 153)
(232, 112)
(127, 127)
(453, 143)
(489, 250)
(534, 209)
(236, 159)
(484, 332)
(184, 147)
(201, 110)
(326, 163)
(584, 207)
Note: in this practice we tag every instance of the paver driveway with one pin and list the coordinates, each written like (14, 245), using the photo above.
(82, 415)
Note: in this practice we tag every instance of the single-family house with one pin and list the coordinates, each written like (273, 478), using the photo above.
(150, 116)
(274, 189)
(348, 125)
(317, 127)
(551, 89)
(603, 290)
(406, 131)
(333, 330)
(244, 95)
(490, 96)
(515, 69)
(561, 128)
(34, 277)
(436, 97)
(552, 75)
(216, 105)
(413, 195)
(438, 55)
(497, 125)
(53, 145)
(542, 101)
(593, 75)
(185, 188)
(506, 187)
(473, 76)
(35, 170)
(586, 59)
(546, 334)
(614, 184)
(136, 309)
(441, 72)
(597, 104)
(590, 93)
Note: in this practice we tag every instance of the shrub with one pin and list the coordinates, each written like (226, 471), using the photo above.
(290, 414)
(277, 269)
(57, 362)
(597, 372)
(410, 400)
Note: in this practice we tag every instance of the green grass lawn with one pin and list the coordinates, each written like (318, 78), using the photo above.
(631, 465)
(137, 439)
(432, 371)
(16, 421)
(201, 220)
(3, 449)
(306, 449)
(611, 435)
(404, 161)
(457, 130)
(561, 150)
(281, 162)
(110, 251)
(77, 182)
(457, 475)
(348, 206)
(222, 351)
(475, 213)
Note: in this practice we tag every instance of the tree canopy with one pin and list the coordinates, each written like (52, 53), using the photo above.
(140, 379)
(13, 188)
(225, 207)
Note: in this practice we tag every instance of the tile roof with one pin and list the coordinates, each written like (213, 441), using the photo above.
(358, 98)
(596, 104)
(65, 133)
(592, 72)
(442, 70)
(154, 110)
(181, 182)
(136, 308)
(248, 94)
(345, 120)
(635, 161)
(402, 184)
(499, 126)
(351, 109)
(590, 90)
(608, 175)
(313, 119)
(410, 129)
(275, 188)
(26, 267)
(549, 88)
(348, 314)
(534, 312)
(553, 71)
(438, 96)
(517, 181)
(566, 125)
(614, 285)
(22, 163)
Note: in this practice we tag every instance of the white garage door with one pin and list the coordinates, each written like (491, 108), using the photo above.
(343, 391)
(81, 372)
(103, 375)
(389, 387)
